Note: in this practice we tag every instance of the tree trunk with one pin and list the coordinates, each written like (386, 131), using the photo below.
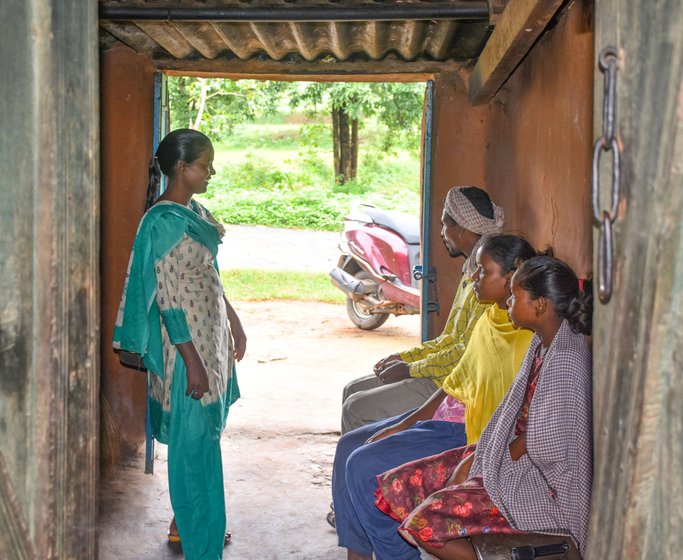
(203, 90)
(336, 150)
(345, 146)
(345, 138)
(354, 149)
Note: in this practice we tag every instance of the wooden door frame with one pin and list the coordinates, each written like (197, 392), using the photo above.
(49, 470)
(637, 509)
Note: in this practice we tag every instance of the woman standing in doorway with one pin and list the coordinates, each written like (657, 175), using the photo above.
(174, 314)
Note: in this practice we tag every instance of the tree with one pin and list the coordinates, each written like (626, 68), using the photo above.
(216, 105)
(397, 106)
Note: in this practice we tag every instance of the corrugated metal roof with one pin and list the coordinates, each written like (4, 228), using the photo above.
(205, 45)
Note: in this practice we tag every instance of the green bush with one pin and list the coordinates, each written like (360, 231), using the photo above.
(305, 209)
(282, 184)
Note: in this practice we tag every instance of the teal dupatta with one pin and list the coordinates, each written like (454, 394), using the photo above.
(138, 327)
(138, 323)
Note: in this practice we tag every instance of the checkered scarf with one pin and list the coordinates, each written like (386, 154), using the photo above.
(548, 490)
(460, 209)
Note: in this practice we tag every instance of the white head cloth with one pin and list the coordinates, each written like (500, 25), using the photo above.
(460, 209)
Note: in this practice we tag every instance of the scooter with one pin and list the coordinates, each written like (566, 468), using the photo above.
(380, 249)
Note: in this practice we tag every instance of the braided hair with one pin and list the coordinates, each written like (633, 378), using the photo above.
(183, 144)
(552, 279)
(508, 251)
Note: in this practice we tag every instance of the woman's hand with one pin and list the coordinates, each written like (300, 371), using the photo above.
(239, 339)
(197, 381)
(461, 472)
(196, 374)
(518, 447)
(386, 432)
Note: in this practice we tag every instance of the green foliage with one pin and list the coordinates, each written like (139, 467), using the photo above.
(261, 285)
(397, 107)
(215, 105)
(279, 185)
(305, 209)
(279, 173)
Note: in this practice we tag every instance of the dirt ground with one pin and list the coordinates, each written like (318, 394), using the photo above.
(279, 444)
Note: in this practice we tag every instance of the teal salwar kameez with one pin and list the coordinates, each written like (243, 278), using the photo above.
(173, 294)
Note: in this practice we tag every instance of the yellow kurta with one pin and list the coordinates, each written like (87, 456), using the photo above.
(488, 368)
(436, 358)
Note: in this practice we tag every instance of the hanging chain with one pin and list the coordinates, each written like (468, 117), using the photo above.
(604, 219)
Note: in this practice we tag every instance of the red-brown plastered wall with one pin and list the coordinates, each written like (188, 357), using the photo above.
(127, 89)
(530, 147)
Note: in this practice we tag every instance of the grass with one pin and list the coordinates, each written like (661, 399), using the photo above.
(256, 136)
(247, 284)
(281, 175)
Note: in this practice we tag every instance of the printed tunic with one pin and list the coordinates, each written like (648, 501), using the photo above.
(173, 294)
(188, 282)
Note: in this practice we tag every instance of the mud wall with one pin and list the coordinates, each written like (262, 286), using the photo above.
(530, 147)
(127, 86)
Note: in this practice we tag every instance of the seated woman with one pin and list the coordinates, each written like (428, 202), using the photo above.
(532, 468)
(480, 380)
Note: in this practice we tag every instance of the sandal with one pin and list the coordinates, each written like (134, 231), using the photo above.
(174, 540)
(330, 517)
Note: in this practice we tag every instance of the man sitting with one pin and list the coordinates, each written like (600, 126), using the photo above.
(406, 380)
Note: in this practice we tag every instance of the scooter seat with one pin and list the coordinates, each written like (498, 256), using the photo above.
(405, 225)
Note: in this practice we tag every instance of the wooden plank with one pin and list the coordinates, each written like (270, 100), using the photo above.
(637, 510)
(517, 29)
(49, 310)
(16, 541)
(384, 70)
(70, 320)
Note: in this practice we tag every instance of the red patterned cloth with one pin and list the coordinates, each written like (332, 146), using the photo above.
(520, 426)
(415, 493)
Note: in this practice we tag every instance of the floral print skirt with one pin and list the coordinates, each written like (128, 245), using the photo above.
(415, 495)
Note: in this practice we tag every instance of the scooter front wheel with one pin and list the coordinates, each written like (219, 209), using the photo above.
(359, 312)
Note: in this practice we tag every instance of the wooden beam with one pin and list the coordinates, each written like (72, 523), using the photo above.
(348, 71)
(517, 29)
